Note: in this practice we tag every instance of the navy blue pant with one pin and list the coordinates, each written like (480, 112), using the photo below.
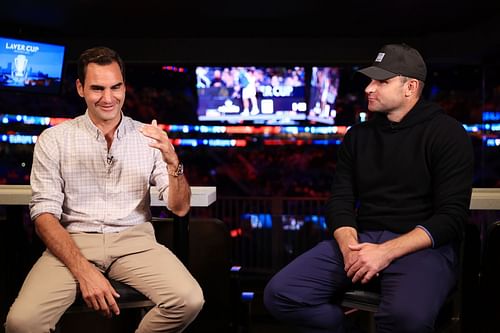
(307, 291)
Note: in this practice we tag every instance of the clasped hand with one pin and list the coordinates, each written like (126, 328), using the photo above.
(364, 261)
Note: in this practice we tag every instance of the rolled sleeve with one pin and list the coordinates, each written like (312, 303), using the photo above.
(159, 177)
(46, 182)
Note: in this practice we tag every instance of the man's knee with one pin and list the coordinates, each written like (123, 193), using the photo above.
(18, 321)
(403, 320)
(189, 301)
(15, 323)
(270, 295)
(175, 312)
(274, 299)
(193, 302)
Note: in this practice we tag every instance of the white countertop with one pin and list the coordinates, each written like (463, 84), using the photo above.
(485, 199)
(201, 196)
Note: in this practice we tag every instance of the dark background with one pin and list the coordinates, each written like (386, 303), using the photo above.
(460, 41)
(261, 31)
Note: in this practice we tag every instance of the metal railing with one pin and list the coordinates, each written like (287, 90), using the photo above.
(268, 232)
(264, 237)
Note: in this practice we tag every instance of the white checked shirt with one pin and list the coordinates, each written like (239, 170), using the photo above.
(89, 189)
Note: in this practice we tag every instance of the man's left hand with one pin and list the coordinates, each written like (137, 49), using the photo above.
(372, 258)
(161, 142)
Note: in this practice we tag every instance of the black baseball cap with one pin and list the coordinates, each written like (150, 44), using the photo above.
(396, 59)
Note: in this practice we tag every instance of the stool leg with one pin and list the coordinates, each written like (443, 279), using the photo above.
(371, 323)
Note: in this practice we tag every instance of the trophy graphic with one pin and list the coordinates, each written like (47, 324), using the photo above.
(20, 68)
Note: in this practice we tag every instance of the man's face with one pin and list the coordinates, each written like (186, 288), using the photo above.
(104, 93)
(387, 95)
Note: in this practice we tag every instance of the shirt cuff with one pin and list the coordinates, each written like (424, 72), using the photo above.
(427, 232)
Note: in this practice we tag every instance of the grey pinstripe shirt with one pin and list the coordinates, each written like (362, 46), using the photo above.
(89, 189)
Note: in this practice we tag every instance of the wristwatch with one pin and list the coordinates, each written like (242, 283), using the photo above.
(179, 171)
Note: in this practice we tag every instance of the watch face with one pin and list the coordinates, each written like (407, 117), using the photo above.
(180, 169)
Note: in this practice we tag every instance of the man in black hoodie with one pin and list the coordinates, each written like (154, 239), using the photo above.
(399, 202)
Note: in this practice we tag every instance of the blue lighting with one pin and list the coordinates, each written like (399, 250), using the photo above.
(492, 142)
(247, 295)
(491, 116)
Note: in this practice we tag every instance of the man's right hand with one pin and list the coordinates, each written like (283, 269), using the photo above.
(97, 291)
(350, 257)
(346, 236)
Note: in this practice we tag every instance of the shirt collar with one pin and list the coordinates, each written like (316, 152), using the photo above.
(120, 132)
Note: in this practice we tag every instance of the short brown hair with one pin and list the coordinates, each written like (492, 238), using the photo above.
(100, 55)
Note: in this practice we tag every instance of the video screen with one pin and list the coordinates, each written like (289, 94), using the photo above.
(30, 66)
(323, 94)
(256, 95)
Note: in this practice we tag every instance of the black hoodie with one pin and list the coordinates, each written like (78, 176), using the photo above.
(395, 176)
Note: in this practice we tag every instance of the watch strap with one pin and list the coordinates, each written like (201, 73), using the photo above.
(179, 171)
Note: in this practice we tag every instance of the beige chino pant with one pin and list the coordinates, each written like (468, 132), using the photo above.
(133, 257)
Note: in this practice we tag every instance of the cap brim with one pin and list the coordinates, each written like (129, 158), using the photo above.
(377, 73)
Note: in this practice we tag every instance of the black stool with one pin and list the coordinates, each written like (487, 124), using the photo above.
(448, 319)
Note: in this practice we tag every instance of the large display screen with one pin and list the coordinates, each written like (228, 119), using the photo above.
(251, 94)
(30, 66)
(323, 94)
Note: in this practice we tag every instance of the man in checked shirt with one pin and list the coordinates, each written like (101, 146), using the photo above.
(90, 205)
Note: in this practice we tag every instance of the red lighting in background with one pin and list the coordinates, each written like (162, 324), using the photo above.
(236, 232)
(173, 69)
(280, 142)
(342, 129)
(240, 143)
(253, 130)
(55, 121)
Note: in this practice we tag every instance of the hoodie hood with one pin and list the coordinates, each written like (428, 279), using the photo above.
(422, 111)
